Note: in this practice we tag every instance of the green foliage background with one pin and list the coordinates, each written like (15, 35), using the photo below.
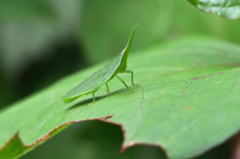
(42, 41)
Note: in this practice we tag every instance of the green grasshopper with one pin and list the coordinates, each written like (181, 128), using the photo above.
(104, 75)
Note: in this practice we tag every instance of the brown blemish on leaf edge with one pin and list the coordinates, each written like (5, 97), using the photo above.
(46, 137)
(104, 119)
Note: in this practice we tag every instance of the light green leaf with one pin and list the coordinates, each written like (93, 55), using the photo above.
(226, 8)
(187, 100)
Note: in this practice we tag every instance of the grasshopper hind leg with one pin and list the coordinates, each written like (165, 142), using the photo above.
(120, 79)
(128, 71)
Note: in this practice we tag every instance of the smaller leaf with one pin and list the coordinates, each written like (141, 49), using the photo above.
(13, 148)
(226, 8)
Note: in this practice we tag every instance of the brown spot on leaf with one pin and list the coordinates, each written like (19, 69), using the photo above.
(207, 76)
(218, 82)
(221, 72)
(183, 90)
(210, 75)
(195, 78)
(108, 117)
(187, 108)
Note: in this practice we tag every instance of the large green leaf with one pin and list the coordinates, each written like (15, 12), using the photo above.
(187, 101)
(226, 8)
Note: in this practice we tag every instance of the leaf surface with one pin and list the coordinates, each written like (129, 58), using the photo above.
(226, 8)
(187, 100)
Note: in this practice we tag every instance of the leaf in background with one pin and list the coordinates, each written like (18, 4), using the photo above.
(158, 21)
(99, 29)
(29, 29)
(187, 101)
(13, 148)
(25, 9)
(226, 8)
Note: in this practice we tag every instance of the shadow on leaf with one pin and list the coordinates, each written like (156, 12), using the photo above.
(89, 101)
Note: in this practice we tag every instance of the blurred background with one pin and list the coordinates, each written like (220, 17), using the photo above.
(42, 41)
